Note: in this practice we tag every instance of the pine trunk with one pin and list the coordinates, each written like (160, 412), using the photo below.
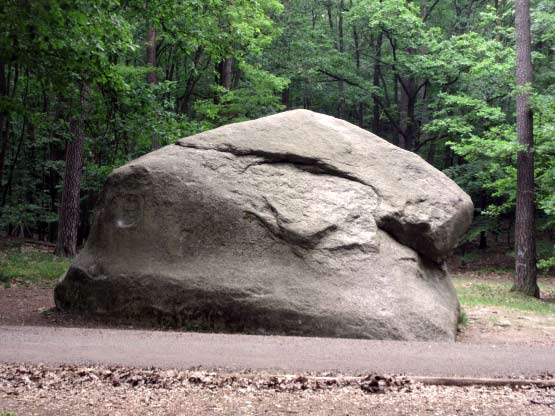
(525, 243)
(227, 73)
(66, 244)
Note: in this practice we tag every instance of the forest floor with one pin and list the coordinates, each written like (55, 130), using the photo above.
(492, 315)
(68, 391)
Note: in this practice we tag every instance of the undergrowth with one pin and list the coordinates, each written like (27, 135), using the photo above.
(30, 267)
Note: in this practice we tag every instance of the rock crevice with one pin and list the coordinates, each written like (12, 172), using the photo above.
(308, 164)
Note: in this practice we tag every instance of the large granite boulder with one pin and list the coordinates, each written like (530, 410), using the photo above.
(297, 223)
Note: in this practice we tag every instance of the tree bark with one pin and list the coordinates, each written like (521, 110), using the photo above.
(4, 132)
(356, 40)
(151, 76)
(151, 56)
(8, 187)
(525, 243)
(407, 138)
(66, 244)
(341, 49)
(192, 80)
(328, 5)
(226, 72)
(376, 83)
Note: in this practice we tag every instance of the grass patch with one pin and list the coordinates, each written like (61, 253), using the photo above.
(463, 320)
(475, 292)
(32, 266)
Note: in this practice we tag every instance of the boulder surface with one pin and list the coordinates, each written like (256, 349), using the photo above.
(296, 223)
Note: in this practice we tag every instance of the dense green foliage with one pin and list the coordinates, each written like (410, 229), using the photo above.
(433, 76)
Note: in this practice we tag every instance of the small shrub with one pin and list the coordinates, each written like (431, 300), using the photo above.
(463, 320)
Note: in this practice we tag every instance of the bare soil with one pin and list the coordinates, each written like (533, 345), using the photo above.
(492, 325)
(33, 305)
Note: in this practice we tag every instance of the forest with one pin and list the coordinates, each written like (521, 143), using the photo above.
(86, 86)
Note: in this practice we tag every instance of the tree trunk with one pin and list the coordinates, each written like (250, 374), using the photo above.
(151, 77)
(525, 243)
(407, 137)
(285, 98)
(69, 208)
(151, 56)
(356, 40)
(376, 84)
(328, 5)
(7, 189)
(341, 49)
(192, 80)
(223, 76)
(4, 133)
(226, 71)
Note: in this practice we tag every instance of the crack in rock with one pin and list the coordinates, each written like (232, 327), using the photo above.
(283, 229)
(308, 164)
(278, 227)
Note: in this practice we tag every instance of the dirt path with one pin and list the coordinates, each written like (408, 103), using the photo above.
(235, 352)
(494, 325)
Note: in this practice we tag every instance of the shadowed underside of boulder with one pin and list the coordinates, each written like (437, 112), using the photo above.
(297, 223)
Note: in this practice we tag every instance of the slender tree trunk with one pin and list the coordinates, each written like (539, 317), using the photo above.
(226, 72)
(151, 77)
(341, 49)
(525, 243)
(4, 149)
(7, 189)
(376, 84)
(66, 244)
(4, 132)
(285, 98)
(223, 76)
(192, 80)
(431, 153)
(330, 16)
(356, 40)
(407, 138)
